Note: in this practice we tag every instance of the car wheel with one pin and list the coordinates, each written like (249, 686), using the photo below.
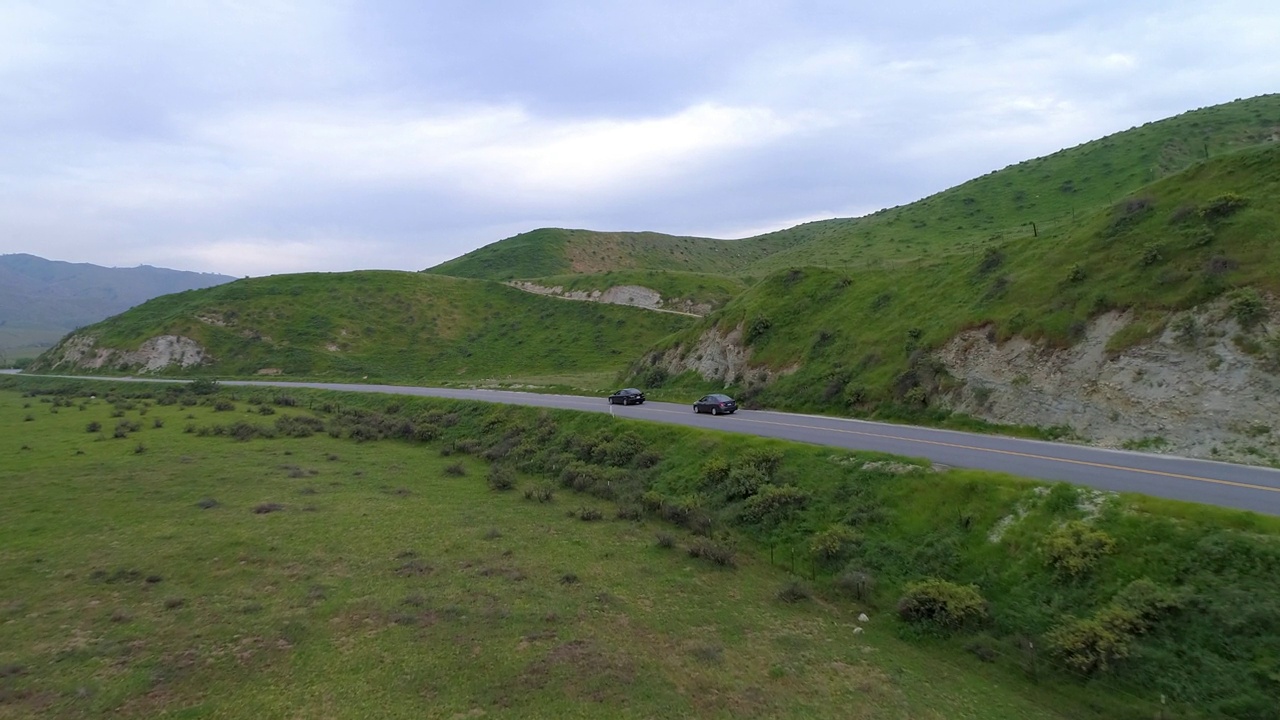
(696, 411)
(715, 410)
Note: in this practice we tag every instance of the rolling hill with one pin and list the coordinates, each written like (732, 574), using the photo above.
(393, 326)
(1053, 192)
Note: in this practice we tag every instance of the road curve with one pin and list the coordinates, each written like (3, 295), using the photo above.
(1242, 487)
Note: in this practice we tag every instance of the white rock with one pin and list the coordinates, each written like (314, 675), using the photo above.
(862, 617)
(857, 631)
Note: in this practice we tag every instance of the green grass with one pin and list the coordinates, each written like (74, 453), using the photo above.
(389, 326)
(855, 337)
(385, 586)
(692, 638)
(1054, 192)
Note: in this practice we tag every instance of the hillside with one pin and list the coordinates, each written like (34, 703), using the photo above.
(1192, 256)
(555, 251)
(40, 300)
(392, 326)
(1054, 192)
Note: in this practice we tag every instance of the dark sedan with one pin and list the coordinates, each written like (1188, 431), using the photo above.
(627, 396)
(716, 404)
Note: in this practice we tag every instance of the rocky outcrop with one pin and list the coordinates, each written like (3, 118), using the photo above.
(1203, 387)
(719, 356)
(81, 352)
(633, 295)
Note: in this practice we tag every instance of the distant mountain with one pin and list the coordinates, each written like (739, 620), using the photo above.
(42, 298)
(51, 293)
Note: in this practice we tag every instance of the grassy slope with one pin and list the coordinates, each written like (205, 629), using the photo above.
(553, 251)
(388, 588)
(851, 333)
(1051, 191)
(691, 640)
(391, 326)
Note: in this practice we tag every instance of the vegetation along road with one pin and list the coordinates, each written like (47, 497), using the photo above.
(1214, 483)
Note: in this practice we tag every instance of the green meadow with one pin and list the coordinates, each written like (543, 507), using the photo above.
(218, 553)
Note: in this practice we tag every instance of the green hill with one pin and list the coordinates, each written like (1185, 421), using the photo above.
(393, 326)
(854, 338)
(1054, 193)
(554, 251)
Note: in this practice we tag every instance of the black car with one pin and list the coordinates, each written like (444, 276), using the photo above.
(627, 396)
(716, 404)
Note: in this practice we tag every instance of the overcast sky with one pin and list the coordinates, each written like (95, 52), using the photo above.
(252, 137)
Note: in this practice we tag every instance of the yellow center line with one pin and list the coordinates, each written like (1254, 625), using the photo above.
(1014, 453)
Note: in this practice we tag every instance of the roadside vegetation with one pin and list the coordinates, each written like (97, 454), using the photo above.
(204, 547)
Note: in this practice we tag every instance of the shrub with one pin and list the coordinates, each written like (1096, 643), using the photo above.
(794, 592)
(1073, 548)
(941, 604)
(833, 543)
(1150, 255)
(856, 584)
(223, 405)
(501, 478)
(541, 493)
(588, 514)
(629, 512)
(773, 502)
(721, 555)
(93, 427)
(758, 327)
(1223, 206)
(265, 508)
(1247, 306)
(665, 540)
(1076, 273)
(1092, 645)
(203, 386)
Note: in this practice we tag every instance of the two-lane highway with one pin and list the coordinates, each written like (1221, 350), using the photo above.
(1236, 486)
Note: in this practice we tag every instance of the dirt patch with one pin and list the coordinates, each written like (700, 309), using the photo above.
(582, 670)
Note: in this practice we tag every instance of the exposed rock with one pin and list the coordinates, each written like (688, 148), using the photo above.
(1190, 393)
(633, 295)
(862, 617)
(157, 353)
(719, 356)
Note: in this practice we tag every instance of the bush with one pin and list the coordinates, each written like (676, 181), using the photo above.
(1073, 548)
(856, 584)
(1223, 206)
(587, 514)
(794, 592)
(665, 540)
(203, 386)
(455, 470)
(93, 427)
(774, 502)
(941, 604)
(501, 478)
(1076, 273)
(1247, 307)
(1094, 644)
(833, 543)
(629, 512)
(541, 494)
(721, 555)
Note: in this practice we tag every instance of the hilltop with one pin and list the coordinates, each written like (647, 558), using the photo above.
(1052, 192)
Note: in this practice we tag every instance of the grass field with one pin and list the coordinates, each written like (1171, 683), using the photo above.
(143, 575)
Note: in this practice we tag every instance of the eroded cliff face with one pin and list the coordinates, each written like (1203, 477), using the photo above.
(1192, 390)
(633, 295)
(719, 356)
(81, 352)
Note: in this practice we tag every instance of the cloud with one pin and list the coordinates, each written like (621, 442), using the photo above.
(261, 137)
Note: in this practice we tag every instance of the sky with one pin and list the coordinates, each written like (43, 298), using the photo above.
(257, 137)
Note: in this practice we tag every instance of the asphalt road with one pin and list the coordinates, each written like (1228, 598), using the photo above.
(1214, 483)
